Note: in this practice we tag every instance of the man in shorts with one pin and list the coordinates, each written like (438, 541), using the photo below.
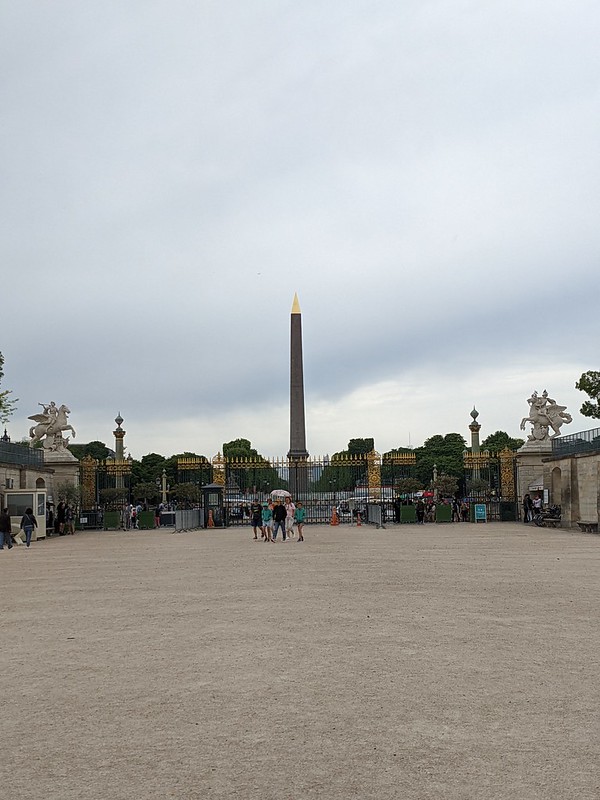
(256, 518)
(299, 516)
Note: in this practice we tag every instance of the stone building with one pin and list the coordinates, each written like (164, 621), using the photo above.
(571, 477)
(29, 479)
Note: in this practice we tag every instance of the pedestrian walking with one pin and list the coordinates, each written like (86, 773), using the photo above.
(28, 523)
(299, 517)
(279, 517)
(69, 521)
(60, 518)
(267, 521)
(5, 530)
(290, 508)
(256, 518)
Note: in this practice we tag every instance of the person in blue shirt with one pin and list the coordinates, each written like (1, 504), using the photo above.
(267, 521)
(299, 517)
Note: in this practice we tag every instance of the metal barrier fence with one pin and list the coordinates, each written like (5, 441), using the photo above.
(189, 519)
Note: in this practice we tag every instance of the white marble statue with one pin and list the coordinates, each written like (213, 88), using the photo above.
(544, 414)
(50, 424)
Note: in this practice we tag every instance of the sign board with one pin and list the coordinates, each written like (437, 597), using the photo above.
(83, 520)
(480, 512)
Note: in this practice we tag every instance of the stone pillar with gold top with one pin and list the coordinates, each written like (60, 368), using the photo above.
(475, 427)
(119, 435)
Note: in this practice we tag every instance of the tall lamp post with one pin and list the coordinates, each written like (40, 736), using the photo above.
(164, 487)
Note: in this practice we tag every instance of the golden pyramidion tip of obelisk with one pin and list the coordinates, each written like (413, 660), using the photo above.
(296, 305)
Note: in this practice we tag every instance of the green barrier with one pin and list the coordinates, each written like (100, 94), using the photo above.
(408, 514)
(146, 520)
(111, 520)
(443, 513)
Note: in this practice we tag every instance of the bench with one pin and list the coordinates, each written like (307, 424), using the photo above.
(550, 522)
(588, 527)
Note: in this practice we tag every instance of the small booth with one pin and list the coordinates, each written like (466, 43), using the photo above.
(214, 510)
(18, 502)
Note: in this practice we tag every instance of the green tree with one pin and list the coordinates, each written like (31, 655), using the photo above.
(254, 477)
(393, 474)
(113, 497)
(239, 448)
(446, 485)
(343, 475)
(358, 447)
(7, 404)
(201, 475)
(146, 491)
(590, 384)
(66, 491)
(499, 440)
(186, 493)
(95, 449)
(148, 469)
(408, 485)
(446, 452)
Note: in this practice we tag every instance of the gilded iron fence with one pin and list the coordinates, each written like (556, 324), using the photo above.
(490, 478)
(346, 483)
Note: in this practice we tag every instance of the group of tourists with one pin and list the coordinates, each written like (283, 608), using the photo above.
(531, 507)
(270, 517)
(60, 522)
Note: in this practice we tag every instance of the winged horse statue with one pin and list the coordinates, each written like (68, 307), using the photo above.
(545, 413)
(50, 424)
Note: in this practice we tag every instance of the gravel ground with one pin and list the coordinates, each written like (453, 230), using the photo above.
(443, 661)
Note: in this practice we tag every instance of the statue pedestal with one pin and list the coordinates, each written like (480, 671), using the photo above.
(66, 469)
(530, 467)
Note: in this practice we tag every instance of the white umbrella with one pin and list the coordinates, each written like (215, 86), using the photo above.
(280, 493)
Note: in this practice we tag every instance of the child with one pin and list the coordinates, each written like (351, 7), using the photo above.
(299, 515)
(267, 524)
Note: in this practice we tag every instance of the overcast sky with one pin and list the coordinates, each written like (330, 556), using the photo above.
(425, 174)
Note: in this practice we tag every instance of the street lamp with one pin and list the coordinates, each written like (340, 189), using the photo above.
(164, 487)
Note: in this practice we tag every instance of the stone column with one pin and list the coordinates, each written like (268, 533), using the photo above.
(119, 435)
(475, 427)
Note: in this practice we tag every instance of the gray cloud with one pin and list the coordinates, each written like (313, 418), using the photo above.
(424, 176)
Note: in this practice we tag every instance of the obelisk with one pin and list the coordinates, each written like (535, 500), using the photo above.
(297, 455)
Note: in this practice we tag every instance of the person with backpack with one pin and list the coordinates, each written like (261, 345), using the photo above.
(28, 523)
